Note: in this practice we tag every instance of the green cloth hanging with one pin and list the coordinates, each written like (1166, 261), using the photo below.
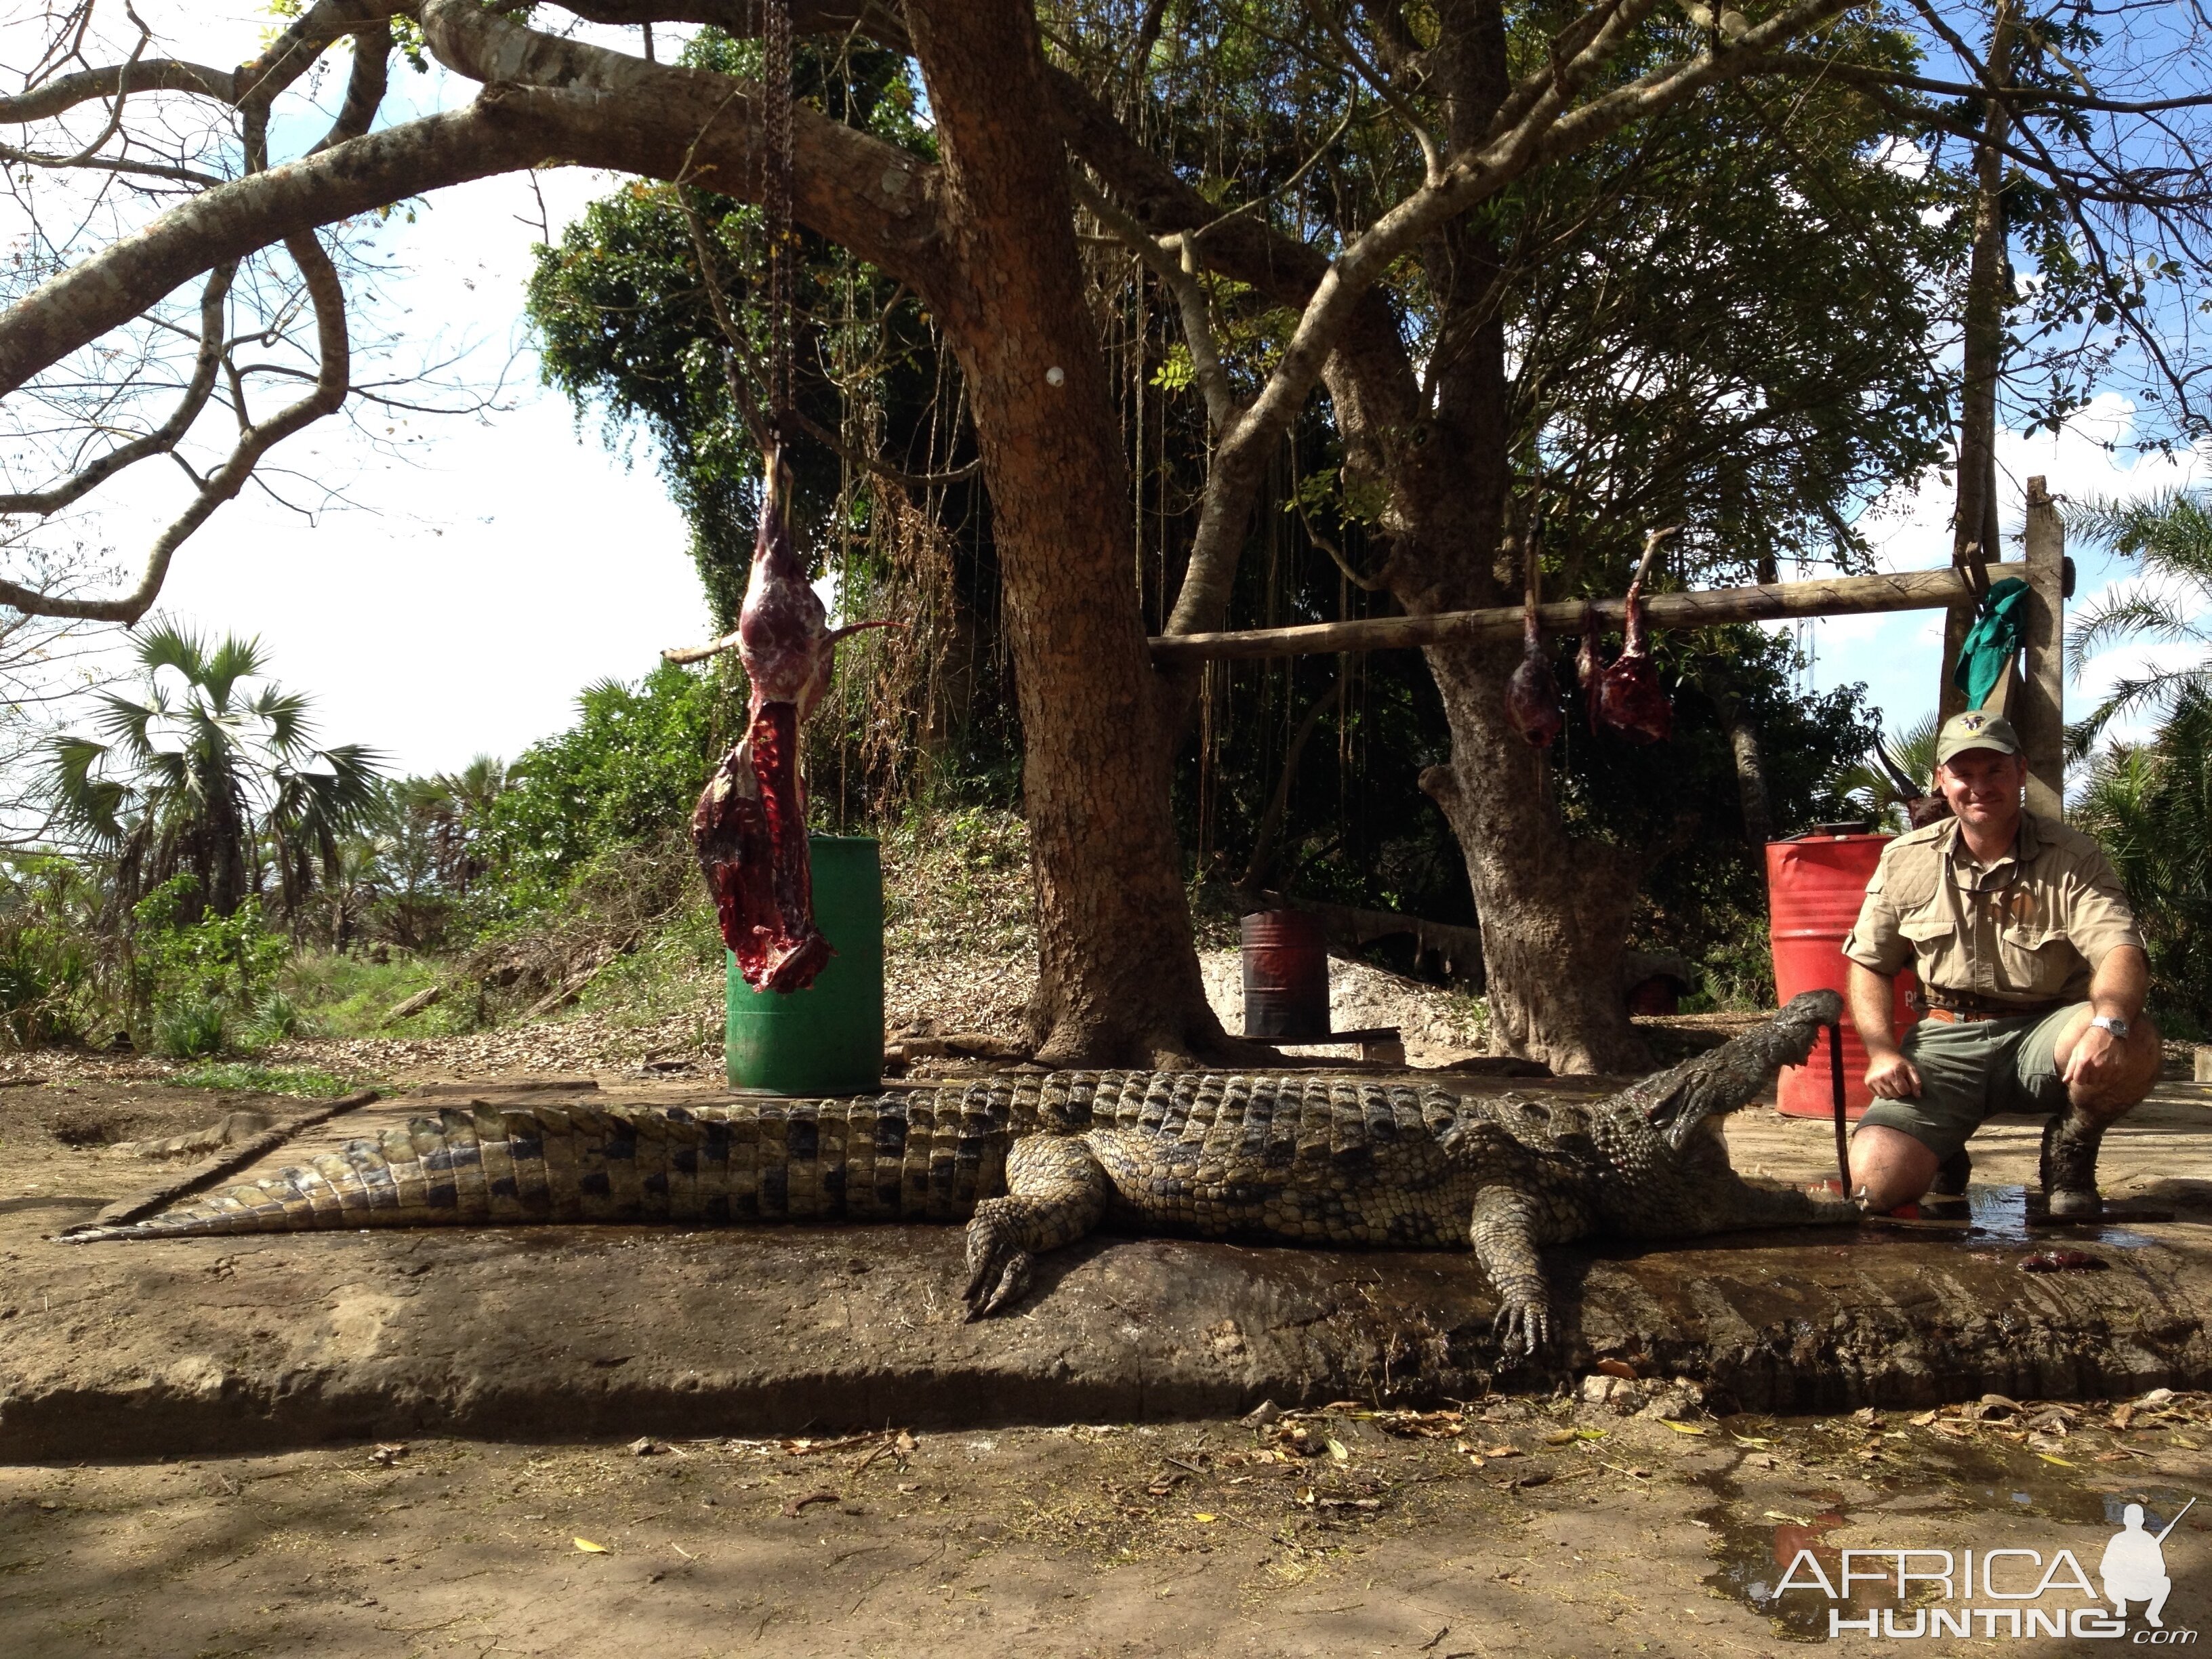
(1994, 640)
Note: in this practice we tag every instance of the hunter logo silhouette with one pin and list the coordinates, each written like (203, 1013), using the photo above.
(2134, 1565)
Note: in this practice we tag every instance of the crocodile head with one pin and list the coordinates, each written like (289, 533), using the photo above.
(1682, 1102)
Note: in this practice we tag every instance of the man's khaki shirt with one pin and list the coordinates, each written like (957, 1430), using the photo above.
(2033, 928)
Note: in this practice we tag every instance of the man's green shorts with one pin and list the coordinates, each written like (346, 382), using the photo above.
(1969, 1073)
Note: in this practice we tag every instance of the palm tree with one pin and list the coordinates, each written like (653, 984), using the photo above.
(1873, 785)
(2148, 804)
(2172, 533)
(177, 778)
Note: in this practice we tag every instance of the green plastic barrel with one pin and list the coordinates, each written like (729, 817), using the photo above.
(829, 1038)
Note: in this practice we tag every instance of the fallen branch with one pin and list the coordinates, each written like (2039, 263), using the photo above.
(414, 1005)
(575, 985)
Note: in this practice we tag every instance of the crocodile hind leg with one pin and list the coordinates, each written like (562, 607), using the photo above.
(1056, 1192)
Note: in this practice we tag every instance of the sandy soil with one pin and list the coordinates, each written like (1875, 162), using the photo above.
(1516, 1529)
(1508, 1527)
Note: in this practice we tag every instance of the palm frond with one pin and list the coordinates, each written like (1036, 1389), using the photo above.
(288, 722)
(2157, 615)
(233, 660)
(169, 644)
(2170, 530)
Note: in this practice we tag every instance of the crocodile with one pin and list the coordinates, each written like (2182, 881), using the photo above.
(1033, 1162)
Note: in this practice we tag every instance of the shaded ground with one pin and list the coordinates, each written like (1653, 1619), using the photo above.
(1519, 1529)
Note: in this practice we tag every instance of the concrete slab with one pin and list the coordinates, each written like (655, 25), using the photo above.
(263, 1343)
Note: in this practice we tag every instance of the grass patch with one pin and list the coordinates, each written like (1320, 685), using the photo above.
(677, 970)
(303, 1080)
(349, 995)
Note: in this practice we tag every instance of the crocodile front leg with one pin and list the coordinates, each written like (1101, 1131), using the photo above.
(1056, 1192)
(1508, 1226)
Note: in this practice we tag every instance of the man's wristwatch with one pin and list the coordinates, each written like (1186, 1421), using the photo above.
(2116, 1026)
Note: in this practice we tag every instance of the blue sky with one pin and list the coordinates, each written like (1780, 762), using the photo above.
(1898, 656)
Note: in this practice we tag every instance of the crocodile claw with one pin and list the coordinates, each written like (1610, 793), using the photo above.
(1521, 1328)
(997, 1271)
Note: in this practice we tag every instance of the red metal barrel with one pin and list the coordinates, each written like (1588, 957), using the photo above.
(1814, 886)
(1286, 975)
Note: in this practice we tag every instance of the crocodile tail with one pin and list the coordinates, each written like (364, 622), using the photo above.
(927, 1156)
(1675, 1102)
(460, 1166)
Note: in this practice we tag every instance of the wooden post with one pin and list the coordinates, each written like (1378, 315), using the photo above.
(2040, 701)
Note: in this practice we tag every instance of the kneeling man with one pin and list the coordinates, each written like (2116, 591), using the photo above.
(2033, 976)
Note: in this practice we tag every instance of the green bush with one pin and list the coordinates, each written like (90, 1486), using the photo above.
(275, 1017)
(629, 771)
(188, 1031)
(52, 966)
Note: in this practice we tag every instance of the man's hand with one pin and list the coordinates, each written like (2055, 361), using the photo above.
(1892, 1076)
(1888, 1074)
(2096, 1057)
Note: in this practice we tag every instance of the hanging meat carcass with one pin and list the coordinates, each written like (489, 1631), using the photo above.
(1532, 695)
(1630, 698)
(750, 826)
(1589, 666)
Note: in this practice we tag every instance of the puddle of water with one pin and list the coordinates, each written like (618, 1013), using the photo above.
(2001, 1213)
(1994, 1215)
(1754, 1553)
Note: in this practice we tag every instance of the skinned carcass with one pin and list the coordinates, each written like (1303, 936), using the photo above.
(1630, 698)
(750, 826)
(1532, 694)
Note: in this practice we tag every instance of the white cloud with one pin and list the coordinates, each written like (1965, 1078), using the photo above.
(1899, 656)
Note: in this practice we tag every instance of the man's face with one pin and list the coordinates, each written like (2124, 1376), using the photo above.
(1983, 787)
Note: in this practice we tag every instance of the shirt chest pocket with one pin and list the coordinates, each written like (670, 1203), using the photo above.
(1927, 930)
(2034, 960)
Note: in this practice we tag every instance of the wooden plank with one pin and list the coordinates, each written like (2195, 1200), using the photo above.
(1839, 596)
(229, 1162)
(2038, 711)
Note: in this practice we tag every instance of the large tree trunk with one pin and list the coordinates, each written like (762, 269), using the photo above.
(1118, 981)
(1555, 909)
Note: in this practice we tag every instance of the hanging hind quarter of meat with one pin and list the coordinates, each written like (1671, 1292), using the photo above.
(1630, 698)
(1589, 666)
(750, 826)
(1532, 695)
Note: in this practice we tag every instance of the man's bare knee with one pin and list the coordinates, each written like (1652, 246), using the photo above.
(1889, 1166)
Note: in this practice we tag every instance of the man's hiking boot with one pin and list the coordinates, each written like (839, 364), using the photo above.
(2069, 1166)
(1950, 1176)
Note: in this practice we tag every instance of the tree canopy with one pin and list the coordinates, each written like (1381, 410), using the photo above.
(1437, 274)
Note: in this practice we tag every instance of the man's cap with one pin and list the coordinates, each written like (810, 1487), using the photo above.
(1975, 730)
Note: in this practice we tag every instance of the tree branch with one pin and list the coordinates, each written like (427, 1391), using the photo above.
(164, 437)
(328, 294)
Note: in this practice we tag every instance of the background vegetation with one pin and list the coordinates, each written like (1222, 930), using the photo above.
(1737, 318)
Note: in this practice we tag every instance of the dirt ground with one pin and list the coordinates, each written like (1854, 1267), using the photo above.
(1509, 1528)
(1505, 1526)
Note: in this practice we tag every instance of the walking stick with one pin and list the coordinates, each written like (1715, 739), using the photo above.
(1835, 1090)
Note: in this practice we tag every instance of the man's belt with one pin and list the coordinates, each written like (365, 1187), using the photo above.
(1965, 1008)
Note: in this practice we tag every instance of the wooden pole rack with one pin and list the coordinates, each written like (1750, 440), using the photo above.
(1836, 596)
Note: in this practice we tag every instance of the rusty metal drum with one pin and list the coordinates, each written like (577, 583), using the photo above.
(1815, 884)
(1285, 960)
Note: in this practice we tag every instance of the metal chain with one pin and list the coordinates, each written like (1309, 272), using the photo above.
(775, 201)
